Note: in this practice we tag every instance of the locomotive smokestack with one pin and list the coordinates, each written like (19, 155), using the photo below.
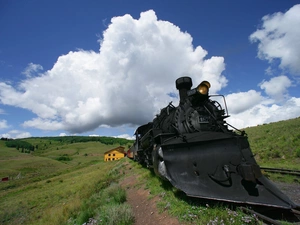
(183, 84)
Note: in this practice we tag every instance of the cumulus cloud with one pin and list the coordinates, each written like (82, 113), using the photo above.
(278, 41)
(276, 87)
(22, 135)
(133, 75)
(16, 134)
(239, 102)
(137, 65)
(125, 136)
(5, 135)
(32, 69)
(3, 124)
(265, 112)
(278, 38)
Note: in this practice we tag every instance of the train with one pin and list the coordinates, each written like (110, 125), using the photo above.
(193, 147)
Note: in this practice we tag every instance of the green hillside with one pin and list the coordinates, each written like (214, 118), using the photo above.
(48, 184)
(52, 155)
(276, 144)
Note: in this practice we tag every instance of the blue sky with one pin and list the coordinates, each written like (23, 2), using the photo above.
(106, 67)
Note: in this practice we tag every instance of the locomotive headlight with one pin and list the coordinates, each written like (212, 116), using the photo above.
(203, 87)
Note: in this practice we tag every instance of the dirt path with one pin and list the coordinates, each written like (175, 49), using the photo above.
(145, 210)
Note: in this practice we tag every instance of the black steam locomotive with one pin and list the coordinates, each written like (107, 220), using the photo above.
(192, 147)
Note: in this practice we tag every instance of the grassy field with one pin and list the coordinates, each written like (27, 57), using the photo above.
(65, 182)
(45, 190)
(276, 144)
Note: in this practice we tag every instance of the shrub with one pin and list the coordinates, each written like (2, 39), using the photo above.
(276, 154)
(64, 158)
(116, 215)
(84, 216)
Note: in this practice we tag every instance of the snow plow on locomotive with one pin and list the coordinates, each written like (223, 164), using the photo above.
(192, 147)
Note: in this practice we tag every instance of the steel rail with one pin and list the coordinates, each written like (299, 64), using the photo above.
(266, 219)
(282, 171)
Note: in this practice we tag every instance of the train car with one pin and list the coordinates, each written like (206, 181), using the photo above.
(193, 147)
(130, 151)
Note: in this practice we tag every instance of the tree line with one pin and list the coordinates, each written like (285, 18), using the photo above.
(22, 146)
(102, 139)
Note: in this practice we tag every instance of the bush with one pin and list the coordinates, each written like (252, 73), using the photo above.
(84, 216)
(116, 215)
(276, 154)
(64, 158)
(298, 152)
(115, 193)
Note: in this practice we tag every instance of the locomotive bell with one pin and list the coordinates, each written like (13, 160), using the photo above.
(183, 84)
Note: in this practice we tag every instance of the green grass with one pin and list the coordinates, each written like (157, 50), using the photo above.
(107, 204)
(38, 202)
(44, 190)
(276, 144)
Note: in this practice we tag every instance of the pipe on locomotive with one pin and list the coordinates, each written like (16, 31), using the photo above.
(184, 84)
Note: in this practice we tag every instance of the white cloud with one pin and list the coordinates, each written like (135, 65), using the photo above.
(23, 135)
(16, 134)
(6, 135)
(94, 135)
(126, 136)
(31, 69)
(242, 101)
(276, 87)
(3, 124)
(43, 124)
(278, 38)
(265, 112)
(131, 77)
(126, 82)
(269, 71)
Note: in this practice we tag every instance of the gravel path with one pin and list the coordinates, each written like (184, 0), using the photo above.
(291, 190)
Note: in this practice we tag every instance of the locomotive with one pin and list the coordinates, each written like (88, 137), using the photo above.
(192, 147)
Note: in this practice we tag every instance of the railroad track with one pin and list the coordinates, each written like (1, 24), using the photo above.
(268, 220)
(292, 215)
(282, 171)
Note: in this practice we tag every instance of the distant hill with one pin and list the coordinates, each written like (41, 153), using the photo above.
(38, 157)
(77, 139)
(274, 144)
